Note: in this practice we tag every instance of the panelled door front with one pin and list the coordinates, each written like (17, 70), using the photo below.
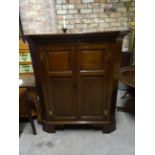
(93, 67)
(58, 63)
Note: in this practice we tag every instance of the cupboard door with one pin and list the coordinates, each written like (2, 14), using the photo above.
(58, 63)
(93, 80)
(62, 96)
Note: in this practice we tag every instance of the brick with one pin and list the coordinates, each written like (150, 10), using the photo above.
(100, 1)
(112, 0)
(115, 15)
(60, 22)
(92, 15)
(81, 6)
(64, 6)
(59, 27)
(98, 10)
(109, 10)
(122, 19)
(77, 21)
(66, 1)
(31, 13)
(125, 14)
(93, 29)
(93, 5)
(71, 6)
(125, 0)
(69, 16)
(115, 24)
(58, 6)
(80, 15)
(47, 12)
(74, 1)
(87, 20)
(92, 25)
(131, 14)
(132, 9)
(38, 18)
(59, 17)
(118, 5)
(46, 6)
(49, 18)
(104, 25)
(106, 5)
(39, 7)
(87, 1)
(61, 11)
(98, 20)
(75, 30)
(73, 11)
(110, 19)
(124, 24)
(103, 15)
(132, 3)
(32, 1)
(60, 1)
(81, 25)
(74, 21)
(85, 10)
(70, 26)
(100, 29)
(122, 9)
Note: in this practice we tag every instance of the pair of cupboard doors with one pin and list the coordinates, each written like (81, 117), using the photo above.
(77, 80)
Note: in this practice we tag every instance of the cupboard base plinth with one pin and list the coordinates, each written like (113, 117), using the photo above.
(48, 128)
(107, 126)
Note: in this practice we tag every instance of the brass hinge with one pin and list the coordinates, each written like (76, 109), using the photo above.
(105, 112)
(50, 112)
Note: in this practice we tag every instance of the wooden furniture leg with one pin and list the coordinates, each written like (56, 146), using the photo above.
(30, 114)
(109, 127)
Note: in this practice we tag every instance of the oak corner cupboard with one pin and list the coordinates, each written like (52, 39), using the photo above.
(77, 77)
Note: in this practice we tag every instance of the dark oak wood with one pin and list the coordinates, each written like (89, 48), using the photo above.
(127, 75)
(30, 85)
(77, 77)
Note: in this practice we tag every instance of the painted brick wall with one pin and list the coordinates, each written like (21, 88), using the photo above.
(46, 16)
(38, 16)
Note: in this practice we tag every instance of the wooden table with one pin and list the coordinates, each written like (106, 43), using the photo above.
(23, 99)
(30, 84)
(24, 91)
(28, 81)
(127, 76)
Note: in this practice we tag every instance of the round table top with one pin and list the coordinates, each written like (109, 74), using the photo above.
(127, 75)
(27, 81)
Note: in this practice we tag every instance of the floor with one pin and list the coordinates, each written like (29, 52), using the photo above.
(82, 141)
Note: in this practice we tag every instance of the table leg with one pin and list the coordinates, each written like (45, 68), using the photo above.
(28, 102)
